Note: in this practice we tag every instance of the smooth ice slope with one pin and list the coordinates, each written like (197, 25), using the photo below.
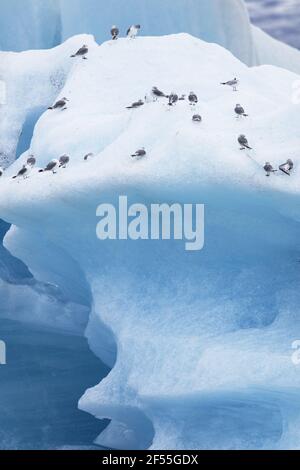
(203, 339)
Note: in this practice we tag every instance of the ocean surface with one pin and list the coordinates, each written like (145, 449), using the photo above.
(280, 18)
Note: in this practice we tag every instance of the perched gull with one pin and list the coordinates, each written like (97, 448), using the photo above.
(269, 169)
(63, 161)
(197, 118)
(242, 140)
(132, 32)
(87, 156)
(239, 111)
(52, 166)
(81, 52)
(140, 153)
(136, 104)
(60, 104)
(26, 169)
(173, 98)
(193, 99)
(287, 167)
(114, 32)
(233, 83)
(156, 93)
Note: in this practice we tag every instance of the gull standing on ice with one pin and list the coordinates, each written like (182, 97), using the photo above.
(132, 32)
(193, 99)
(52, 166)
(156, 93)
(63, 161)
(140, 153)
(81, 52)
(87, 156)
(114, 32)
(26, 169)
(233, 83)
(269, 169)
(242, 140)
(173, 98)
(287, 167)
(239, 111)
(60, 104)
(135, 105)
(197, 118)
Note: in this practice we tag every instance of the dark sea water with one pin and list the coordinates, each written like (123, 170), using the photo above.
(280, 18)
(45, 375)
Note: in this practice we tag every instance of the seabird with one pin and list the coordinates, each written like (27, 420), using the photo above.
(114, 32)
(239, 111)
(63, 161)
(197, 118)
(136, 104)
(81, 52)
(233, 83)
(51, 166)
(158, 93)
(132, 32)
(26, 169)
(60, 104)
(88, 155)
(173, 98)
(140, 153)
(242, 140)
(287, 167)
(31, 161)
(269, 169)
(193, 99)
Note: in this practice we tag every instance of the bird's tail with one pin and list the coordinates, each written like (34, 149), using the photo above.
(51, 107)
(129, 107)
(246, 115)
(222, 83)
(41, 171)
(73, 55)
(247, 147)
(14, 177)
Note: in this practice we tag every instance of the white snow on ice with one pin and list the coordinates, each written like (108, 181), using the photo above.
(203, 339)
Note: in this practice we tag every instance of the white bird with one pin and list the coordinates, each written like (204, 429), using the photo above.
(287, 167)
(132, 32)
(52, 166)
(114, 32)
(87, 156)
(81, 52)
(140, 153)
(269, 169)
(63, 161)
(242, 140)
(233, 83)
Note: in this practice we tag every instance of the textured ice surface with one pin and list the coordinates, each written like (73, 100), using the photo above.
(203, 339)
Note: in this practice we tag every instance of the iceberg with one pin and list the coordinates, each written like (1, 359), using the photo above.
(200, 343)
(47, 23)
